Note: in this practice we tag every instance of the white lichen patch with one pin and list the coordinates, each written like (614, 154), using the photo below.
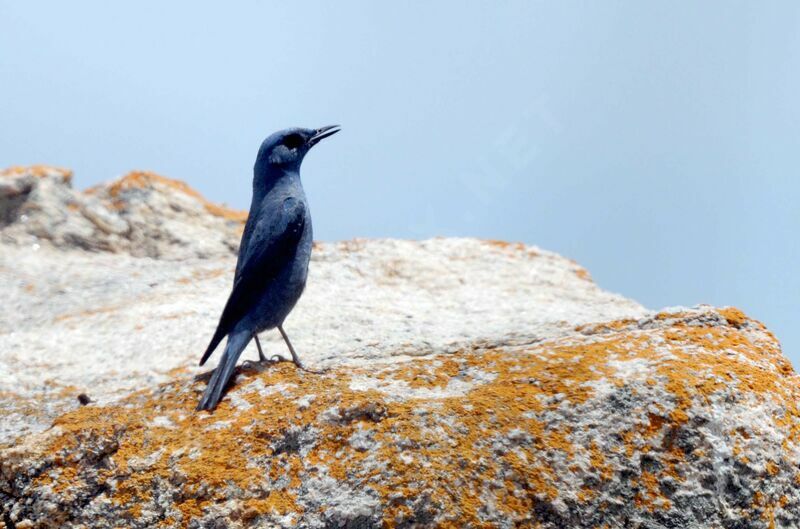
(258, 386)
(162, 421)
(238, 402)
(630, 369)
(362, 440)
(138, 464)
(304, 402)
(218, 425)
(400, 390)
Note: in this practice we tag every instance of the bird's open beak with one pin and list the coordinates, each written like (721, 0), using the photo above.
(323, 133)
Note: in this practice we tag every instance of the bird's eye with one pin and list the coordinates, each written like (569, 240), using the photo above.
(293, 141)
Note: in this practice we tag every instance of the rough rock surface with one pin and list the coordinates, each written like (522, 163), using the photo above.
(142, 213)
(468, 384)
(104, 323)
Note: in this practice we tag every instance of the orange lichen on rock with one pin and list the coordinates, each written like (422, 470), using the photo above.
(429, 374)
(39, 171)
(234, 215)
(150, 180)
(505, 245)
(614, 325)
(733, 316)
(515, 435)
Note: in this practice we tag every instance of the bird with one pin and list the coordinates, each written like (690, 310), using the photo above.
(274, 253)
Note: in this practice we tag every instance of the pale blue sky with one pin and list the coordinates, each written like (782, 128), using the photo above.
(657, 143)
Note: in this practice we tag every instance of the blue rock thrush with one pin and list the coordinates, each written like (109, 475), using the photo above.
(273, 256)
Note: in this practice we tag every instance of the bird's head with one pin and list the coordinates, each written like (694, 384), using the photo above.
(286, 148)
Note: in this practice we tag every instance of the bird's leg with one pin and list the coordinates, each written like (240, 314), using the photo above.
(262, 358)
(295, 358)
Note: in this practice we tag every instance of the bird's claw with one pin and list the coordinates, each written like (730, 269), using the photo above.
(307, 370)
(296, 363)
(249, 364)
(276, 358)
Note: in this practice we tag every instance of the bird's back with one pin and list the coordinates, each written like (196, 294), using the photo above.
(269, 202)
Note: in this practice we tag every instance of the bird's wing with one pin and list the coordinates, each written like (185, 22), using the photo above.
(244, 244)
(273, 242)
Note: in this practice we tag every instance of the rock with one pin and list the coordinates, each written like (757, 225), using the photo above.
(106, 324)
(142, 213)
(680, 419)
(469, 384)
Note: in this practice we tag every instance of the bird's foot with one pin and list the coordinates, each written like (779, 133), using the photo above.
(249, 364)
(297, 363)
(263, 362)
(307, 370)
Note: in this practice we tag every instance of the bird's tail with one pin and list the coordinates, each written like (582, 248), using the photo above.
(219, 334)
(222, 374)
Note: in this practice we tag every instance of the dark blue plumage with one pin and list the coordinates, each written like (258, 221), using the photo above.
(273, 256)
